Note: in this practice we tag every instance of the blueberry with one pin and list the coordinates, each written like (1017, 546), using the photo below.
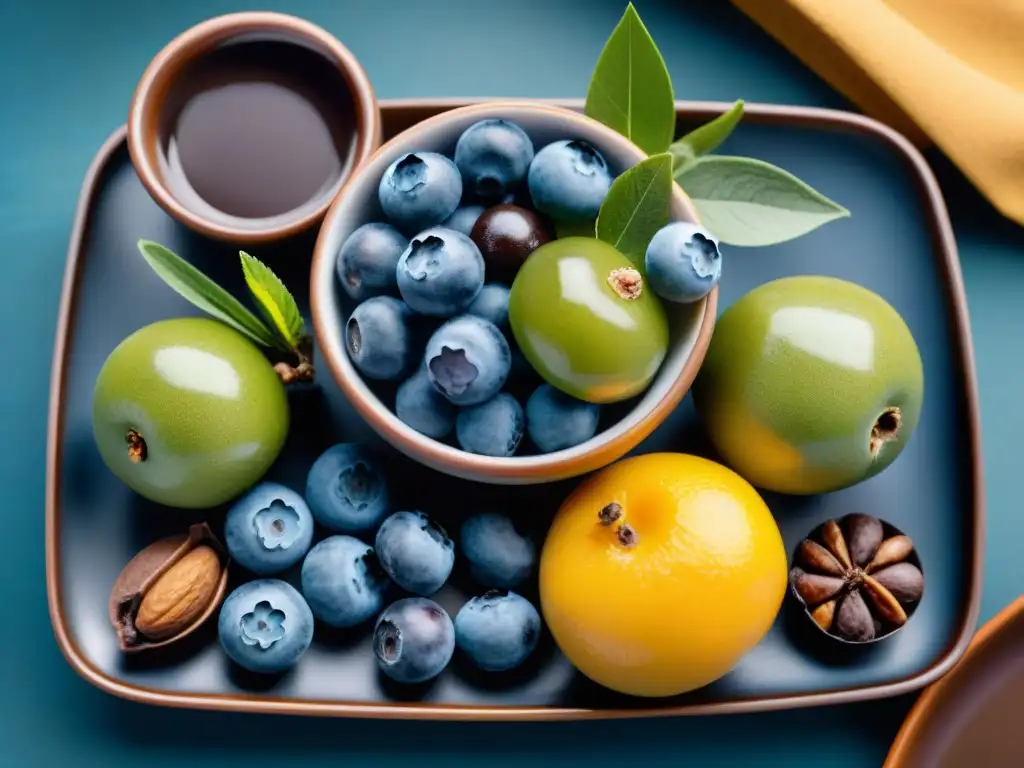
(440, 273)
(683, 262)
(555, 420)
(464, 218)
(493, 428)
(265, 626)
(423, 408)
(343, 581)
(569, 180)
(269, 529)
(415, 552)
(420, 190)
(379, 338)
(468, 360)
(492, 304)
(498, 630)
(493, 156)
(414, 640)
(346, 489)
(498, 555)
(367, 260)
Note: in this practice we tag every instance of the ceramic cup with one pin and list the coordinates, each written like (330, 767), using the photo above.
(176, 65)
(357, 203)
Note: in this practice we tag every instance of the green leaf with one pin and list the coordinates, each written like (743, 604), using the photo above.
(631, 90)
(707, 138)
(202, 292)
(751, 202)
(275, 302)
(637, 205)
(565, 229)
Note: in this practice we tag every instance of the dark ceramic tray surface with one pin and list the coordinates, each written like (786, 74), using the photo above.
(898, 243)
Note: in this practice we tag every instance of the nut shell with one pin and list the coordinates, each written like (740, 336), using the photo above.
(858, 579)
(168, 590)
(181, 595)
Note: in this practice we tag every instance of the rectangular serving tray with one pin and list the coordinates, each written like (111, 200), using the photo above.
(898, 242)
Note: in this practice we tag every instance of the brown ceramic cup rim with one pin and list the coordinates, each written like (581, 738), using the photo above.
(167, 66)
(604, 448)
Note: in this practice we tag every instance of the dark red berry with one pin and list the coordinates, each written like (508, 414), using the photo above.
(506, 235)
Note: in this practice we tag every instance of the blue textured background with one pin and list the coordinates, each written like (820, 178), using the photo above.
(67, 70)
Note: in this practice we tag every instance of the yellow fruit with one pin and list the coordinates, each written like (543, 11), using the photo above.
(660, 572)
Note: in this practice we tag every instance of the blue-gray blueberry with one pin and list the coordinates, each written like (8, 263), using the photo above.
(440, 273)
(265, 626)
(413, 640)
(683, 262)
(269, 529)
(347, 489)
(343, 582)
(415, 551)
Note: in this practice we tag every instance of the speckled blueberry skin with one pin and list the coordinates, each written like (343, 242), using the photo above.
(464, 218)
(379, 338)
(569, 180)
(347, 489)
(415, 551)
(498, 630)
(423, 408)
(493, 428)
(468, 360)
(440, 273)
(343, 582)
(683, 262)
(493, 157)
(413, 640)
(269, 529)
(367, 260)
(492, 304)
(420, 190)
(499, 556)
(556, 421)
(265, 626)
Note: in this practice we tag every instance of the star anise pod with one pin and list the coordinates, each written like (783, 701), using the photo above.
(859, 579)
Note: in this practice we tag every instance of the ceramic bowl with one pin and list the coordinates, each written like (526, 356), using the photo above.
(155, 91)
(357, 204)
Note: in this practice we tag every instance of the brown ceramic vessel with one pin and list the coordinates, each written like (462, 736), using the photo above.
(690, 325)
(167, 70)
(971, 717)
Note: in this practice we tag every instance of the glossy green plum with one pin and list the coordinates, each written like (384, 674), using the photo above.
(585, 321)
(189, 413)
(811, 384)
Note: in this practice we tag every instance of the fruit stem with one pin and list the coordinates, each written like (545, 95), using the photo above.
(885, 429)
(303, 370)
(137, 450)
(627, 283)
(610, 513)
(627, 536)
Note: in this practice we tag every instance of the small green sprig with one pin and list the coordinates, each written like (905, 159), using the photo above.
(283, 328)
(744, 201)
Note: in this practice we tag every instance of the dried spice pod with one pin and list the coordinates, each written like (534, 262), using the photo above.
(168, 590)
(859, 579)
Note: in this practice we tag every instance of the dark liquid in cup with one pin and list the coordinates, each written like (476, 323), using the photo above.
(257, 129)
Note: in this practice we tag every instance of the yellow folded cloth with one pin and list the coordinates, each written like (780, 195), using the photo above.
(948, 71)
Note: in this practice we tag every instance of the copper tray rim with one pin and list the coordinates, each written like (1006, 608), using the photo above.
(947, 258)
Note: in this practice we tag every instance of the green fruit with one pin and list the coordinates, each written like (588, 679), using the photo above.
(811, 384)
(188, 413)
(576, 315)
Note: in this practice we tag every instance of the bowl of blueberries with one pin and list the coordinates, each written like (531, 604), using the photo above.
(467, 310)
